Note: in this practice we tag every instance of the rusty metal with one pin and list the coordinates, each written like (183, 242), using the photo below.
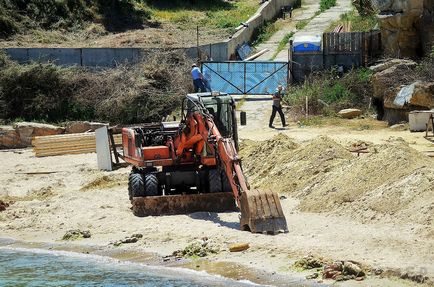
(183, 204)
(261, 212)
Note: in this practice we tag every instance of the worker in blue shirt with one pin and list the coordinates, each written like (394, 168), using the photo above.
(197, 79)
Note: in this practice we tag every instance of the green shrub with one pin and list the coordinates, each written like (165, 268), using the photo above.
(8, 26)
(327, 93)
(301, 24)
(357, 22)
(326, 4)
(264, 32)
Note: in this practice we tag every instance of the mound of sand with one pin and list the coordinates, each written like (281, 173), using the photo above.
(391, 182)
(284, 166)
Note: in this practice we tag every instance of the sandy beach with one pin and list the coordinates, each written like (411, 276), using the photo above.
(74, 194)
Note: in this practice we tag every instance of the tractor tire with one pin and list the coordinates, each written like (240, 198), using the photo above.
(225, 183)
(215, 181)
(151, 184)
(136, 185)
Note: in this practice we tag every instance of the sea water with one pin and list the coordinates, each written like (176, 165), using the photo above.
(40, 267)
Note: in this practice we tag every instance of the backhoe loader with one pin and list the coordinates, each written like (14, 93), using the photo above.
(193, 165)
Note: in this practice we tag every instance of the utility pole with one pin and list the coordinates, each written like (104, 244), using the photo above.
(197, 42)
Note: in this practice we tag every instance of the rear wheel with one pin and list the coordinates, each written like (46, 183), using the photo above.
(136, 185)
(215, 181)
(151, 184)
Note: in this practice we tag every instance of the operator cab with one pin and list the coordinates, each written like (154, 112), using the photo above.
(220, 105)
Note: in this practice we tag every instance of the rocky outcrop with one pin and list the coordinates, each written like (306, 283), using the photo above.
(427, 26)
(399, 22)
(396, 93)
(364, 7)
(82, 126)
(9, 137)
(390, 75)
(27, 130)
(418, 95)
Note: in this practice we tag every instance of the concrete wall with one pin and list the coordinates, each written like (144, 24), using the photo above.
(268, 11)
(92, 57)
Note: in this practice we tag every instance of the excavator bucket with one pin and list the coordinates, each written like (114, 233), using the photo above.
(183, 204)
(261, 212)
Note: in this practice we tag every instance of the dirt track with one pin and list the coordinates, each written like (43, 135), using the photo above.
(373, 227)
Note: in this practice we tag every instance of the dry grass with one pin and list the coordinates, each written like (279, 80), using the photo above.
(127, 94)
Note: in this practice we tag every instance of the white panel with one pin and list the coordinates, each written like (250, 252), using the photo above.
(103, 149)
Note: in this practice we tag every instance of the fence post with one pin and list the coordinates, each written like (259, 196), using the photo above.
(290, 64)
(324, 50)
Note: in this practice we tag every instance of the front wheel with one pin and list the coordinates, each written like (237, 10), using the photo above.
(136, 185)
(151, 184)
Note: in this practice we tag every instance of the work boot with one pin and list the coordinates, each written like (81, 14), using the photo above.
(271, 126)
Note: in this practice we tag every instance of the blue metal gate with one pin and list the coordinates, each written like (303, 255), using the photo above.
(250, 77)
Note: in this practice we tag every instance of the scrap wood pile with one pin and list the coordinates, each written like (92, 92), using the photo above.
(67, 144)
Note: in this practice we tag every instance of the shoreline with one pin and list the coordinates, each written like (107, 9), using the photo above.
(79, 196)
(211, 265)
(214, 268)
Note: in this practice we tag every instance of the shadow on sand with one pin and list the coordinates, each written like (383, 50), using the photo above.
(214, 217)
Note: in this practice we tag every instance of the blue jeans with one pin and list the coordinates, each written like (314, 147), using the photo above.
(198, 85)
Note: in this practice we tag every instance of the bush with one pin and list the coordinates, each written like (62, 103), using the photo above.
(327, 93)
(127, 94)
(326, 4)
(69, 15)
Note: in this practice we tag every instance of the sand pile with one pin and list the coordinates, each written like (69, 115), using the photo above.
(392, 181)
(284, 166)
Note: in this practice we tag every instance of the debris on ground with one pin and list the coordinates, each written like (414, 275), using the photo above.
(105, 181)
(237, 247)
(198, 248)
(3, 205)
(343, 270)
(350, 113)
(309, 262)
(75, 234)
(131, 239)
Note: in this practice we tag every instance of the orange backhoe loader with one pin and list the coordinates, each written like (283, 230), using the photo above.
(194, 166)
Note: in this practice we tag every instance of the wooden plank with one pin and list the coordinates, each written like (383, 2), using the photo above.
(67, 144)
(64, 153)
(62, 138)
(64, 148)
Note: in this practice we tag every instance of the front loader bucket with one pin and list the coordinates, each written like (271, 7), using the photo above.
(261, 212)
(183, 204)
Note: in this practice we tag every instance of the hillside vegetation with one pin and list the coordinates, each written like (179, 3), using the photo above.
(126, 94)
(88, 21)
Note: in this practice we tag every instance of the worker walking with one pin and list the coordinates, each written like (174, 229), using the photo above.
(277, 107)
(197, 79)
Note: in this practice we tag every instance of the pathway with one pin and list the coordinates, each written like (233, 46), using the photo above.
(258, 108)
(307, 11)
(317, 25)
